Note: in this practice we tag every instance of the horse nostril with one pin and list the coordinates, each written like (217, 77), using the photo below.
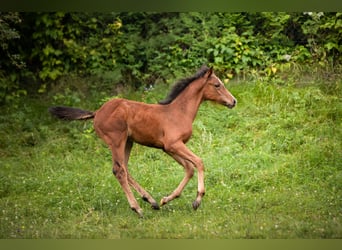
(234, 102)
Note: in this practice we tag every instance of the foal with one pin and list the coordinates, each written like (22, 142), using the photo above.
(167, 126)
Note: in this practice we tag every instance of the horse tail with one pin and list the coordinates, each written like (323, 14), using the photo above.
(68, 113)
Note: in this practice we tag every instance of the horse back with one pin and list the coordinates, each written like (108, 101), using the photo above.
(141, 122)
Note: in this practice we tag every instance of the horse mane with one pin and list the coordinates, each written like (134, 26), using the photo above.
(182, 84)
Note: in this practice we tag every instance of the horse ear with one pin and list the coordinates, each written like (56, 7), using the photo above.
(210, 71)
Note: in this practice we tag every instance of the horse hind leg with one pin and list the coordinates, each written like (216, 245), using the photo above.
(133, 183)
(122, 175)
(145, 195)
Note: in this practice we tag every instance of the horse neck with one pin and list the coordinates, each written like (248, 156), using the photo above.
(188, 102)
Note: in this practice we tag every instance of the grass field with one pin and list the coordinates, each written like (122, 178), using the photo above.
(273, 169)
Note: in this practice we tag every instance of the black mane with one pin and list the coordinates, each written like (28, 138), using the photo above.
(182, 84)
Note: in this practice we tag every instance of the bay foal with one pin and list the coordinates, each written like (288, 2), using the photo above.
(167, 126)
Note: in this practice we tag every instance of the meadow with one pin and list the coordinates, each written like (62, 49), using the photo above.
(273, 167)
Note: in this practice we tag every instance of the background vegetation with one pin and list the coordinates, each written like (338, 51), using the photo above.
(273, 164)
(142, 49)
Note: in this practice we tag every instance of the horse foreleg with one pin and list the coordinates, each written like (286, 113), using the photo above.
(188, 160)
(189, 172)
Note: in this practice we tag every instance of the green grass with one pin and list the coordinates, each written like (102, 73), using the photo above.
(273, 170)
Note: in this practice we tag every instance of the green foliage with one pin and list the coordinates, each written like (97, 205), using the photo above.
(324, 48)
(71, 42)
(11, 61)
(136, 50)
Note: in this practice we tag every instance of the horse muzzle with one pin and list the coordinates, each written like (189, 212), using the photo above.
(231, 104)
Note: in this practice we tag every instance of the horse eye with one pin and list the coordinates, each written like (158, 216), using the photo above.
(217, 85)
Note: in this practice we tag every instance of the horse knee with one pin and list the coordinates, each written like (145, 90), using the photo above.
(190, 171)
(200, 165)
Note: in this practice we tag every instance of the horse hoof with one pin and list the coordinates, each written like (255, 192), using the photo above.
(195, 205)
(163, 201)
(155, 206)
(139, 212)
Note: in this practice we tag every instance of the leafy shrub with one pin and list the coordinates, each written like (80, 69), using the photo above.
(143, 49)
(11, 61)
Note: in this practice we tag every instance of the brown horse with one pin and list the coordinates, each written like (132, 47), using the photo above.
(167, 126)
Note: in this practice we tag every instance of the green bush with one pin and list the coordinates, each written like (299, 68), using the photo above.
(11, 61)
(142, 49)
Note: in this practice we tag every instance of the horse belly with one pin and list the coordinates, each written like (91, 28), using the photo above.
(147, 137)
